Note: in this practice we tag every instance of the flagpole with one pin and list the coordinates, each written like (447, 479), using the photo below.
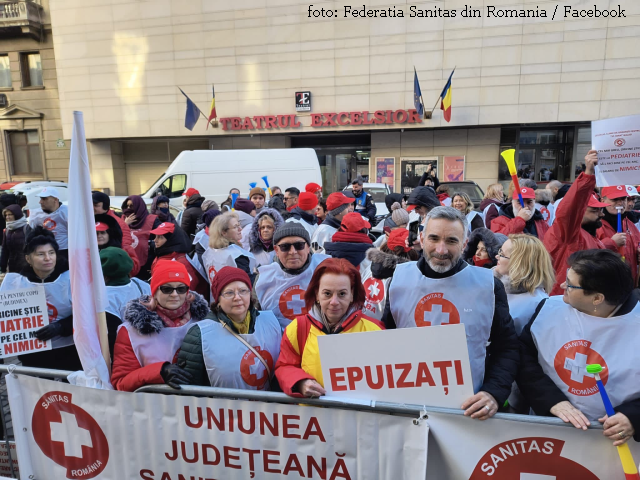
(434, 107)
(427, 115)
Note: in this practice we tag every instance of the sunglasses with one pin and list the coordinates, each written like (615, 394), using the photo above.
(285, 247)
(167, 290)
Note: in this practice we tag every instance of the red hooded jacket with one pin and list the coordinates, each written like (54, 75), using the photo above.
(630, 251)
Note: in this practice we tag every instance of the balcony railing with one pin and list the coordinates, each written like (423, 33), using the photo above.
(20, 18)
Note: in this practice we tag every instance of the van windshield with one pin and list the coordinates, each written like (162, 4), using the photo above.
(150, 191)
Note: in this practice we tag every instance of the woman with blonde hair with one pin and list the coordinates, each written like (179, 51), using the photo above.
(462, 202)
(525, 268)
(491, 203)
(225, 233)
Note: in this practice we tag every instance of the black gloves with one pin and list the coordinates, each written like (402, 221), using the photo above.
(47, 333)
(174, 376)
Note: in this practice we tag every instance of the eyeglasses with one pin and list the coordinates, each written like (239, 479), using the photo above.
(285, 247)
(502, 255)
(167, 290)
(229, 294)
(566, 281)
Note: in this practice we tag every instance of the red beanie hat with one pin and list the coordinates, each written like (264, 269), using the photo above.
(398, 238)
(307, 201)
(224, 277)
(167, 271)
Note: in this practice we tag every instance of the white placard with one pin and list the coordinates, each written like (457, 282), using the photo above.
(617, 141)
(424, 366)
(64, 431)
(22, 312)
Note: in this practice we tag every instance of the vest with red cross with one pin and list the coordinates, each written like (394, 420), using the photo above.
(230, 364)
(569, 340)
(156, 347)
(282, 293)
(375, 291)
(466, 297)
(216, 258)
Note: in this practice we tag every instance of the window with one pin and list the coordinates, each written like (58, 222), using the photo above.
(31, 69)
(25, 152)
(174, 186)
(5, 71)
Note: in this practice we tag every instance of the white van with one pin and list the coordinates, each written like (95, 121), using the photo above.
(214, 172)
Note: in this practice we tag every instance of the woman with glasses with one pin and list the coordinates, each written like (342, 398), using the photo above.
(44, 267)
(482, 248)
(596, 321)
(236, 346)
(225, 250)
(334, 301)
(462, 202)
(154, 326)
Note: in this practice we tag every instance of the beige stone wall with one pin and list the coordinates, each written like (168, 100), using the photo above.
(480, 146)
(121, 63)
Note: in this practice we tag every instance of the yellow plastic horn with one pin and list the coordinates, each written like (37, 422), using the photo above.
(508, 156)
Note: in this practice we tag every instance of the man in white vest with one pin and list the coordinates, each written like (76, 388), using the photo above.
(281, 285)
(338, 205)
(442, 289)
(53, 216)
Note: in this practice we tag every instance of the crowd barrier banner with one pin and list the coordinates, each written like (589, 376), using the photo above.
(498, 449)
(22, 312)
(617, 141)
(63, 431)
(424, 366)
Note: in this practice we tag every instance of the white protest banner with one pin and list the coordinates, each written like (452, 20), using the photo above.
(64, 431)
(5, 465)
(496, 449)
(617, 141)
(424, 366)
(22, 312)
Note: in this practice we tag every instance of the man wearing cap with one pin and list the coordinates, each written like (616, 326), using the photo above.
(351, 241)
(364, 204)
(53, 216)
(193, 213)
(257, 196)
(338, 205)
(513, 218)
(102, 205)
(576, 223)
(304, 212)
(281, 285)
(627, 240)
(315, 189)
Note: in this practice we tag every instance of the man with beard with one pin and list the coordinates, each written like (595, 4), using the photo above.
(442, 289)
(577, 219)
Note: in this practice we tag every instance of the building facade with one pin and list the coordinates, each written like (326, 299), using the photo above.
(523, 79)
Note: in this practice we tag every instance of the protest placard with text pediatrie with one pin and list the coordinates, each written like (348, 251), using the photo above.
(22, 312)
(424, 366)
(617, 141)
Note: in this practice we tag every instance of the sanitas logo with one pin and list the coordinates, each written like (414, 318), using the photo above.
(69, 436)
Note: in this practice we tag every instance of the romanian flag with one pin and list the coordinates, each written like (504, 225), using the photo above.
(212, 113)
(445, 105)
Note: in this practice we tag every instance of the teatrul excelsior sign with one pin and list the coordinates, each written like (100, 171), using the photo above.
(63, 431)
(22, 313)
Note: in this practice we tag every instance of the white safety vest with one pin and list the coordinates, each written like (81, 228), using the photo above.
(322, 234)
(311, 229)
(244, 240)
(466, 297)
(376, 291)
(201, 238)
(569, 340)
(522, 306)
(58, 295)
(486, 210)
(230, 364)
(56, 223)
(283, 294)
(544, 211)
(264, 258)
(216, 258)
(470, 216)
(120, 295)
(157, 347)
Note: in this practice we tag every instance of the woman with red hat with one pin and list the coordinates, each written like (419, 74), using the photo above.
(154, 327)
(334, 301)
(235, 346)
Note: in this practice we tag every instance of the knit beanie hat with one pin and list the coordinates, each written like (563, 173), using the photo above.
(307, 201)
(104, 198)
(224, 277)
(209, 215)
(257, 191)
(208, 205)
(244, 205)
(291, 229)
(168, 271)
(116, 263)
(399, 215)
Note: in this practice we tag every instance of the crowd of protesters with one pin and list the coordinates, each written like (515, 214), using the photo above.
(237, 295)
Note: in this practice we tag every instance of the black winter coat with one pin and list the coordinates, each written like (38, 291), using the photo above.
(192, 215)
(12, 256)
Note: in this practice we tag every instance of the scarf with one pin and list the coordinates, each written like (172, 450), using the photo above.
(350, 237)
(139, 210)
(16, 224)
(480, 262)
(242, 327)
(442, 197)
(316, 312)
(175, 318)
(267, 245)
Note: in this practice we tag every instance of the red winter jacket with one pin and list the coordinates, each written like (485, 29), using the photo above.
(566, 235)
(508, 226)
(126, 242)
(127, 374)
(630, 251)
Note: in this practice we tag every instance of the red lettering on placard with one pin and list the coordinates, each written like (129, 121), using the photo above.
(337, 375)
(354, 374)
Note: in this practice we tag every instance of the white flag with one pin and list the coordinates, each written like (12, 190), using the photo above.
(88, 291)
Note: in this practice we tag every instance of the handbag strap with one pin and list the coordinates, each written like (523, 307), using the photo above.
(255, 352)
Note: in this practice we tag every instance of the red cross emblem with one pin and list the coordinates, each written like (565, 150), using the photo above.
(292, 303)
(252, 369)
(374, 289)
(434, 309)
(571, 363)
